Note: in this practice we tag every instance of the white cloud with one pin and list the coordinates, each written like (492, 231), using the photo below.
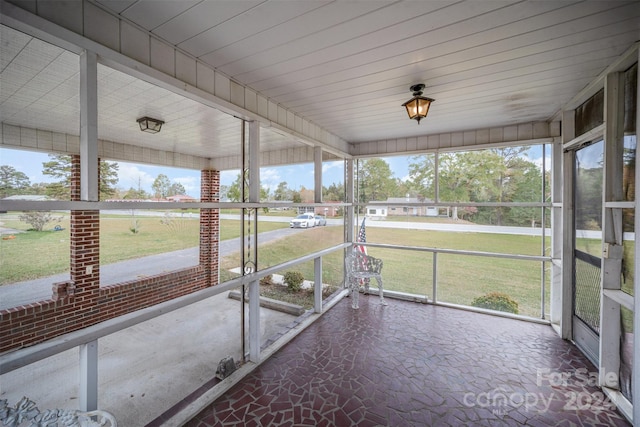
(190, 183)
(131, 176)
(332, 165)
(228, 177)
(538, 161)
(270, 178)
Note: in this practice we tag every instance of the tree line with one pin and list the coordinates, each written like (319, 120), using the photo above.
(14, 182)
(499, 175)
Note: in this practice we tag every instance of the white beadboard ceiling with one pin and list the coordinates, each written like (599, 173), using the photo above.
(344, 65)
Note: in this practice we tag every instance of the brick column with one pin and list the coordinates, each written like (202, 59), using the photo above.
(210, 226)
(84, 244)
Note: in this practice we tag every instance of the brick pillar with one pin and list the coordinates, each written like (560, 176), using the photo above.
(210, 226)
(75, 178)
(84, 244)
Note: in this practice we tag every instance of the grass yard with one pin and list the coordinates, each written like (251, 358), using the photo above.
(31, 254)
(461, 278)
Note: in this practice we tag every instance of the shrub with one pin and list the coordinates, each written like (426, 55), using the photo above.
(135, 226)
(39, 219)
(293, 280)
(266, 280)
(496, 301)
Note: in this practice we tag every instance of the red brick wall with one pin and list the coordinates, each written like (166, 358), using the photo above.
(209, 225)
(81, 302)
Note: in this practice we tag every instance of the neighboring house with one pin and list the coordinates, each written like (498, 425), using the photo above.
(305, 209)
(31, 197)
(181, 198)
(328, 211)
(382, 211)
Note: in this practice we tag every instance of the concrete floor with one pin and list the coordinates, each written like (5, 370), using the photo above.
(147, 368)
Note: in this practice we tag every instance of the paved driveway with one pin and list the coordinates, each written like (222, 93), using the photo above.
(20, 293)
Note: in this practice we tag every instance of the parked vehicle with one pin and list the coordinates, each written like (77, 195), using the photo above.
(321, 220)
(306, 220)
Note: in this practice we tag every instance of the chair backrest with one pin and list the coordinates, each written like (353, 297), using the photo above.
(358, 262)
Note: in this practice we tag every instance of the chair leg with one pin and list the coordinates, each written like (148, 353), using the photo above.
(355, 295)
(354, 292)
(382, 301)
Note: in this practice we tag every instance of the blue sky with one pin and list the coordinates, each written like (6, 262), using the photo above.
(132, 174)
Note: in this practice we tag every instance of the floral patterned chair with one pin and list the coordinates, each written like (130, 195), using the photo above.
(26, 414)
(361, 268)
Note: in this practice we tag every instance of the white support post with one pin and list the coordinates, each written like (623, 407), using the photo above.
(348, 188)
(88, 398)
(89, 126)
(434, 284)
(317, 285)
(317, 174)
(610, 327)
(635, 381)
(555, 308)
(88, 392)
(254, 197)
(254, 321)
(254, 162)
(568, 230)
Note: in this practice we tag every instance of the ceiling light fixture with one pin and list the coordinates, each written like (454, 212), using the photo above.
(147, 124)
(418, 106)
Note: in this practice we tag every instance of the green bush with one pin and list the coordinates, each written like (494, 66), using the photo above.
(496, 301)
(293, 280)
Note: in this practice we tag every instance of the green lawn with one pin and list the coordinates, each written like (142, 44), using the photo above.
(461, 278)
(38, 254)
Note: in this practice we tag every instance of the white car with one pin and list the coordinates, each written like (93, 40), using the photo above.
(307, 220)
(320, 220)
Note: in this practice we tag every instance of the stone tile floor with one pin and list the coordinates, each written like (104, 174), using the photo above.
(409, 364)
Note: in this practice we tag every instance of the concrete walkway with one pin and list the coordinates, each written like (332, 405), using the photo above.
(148, 368)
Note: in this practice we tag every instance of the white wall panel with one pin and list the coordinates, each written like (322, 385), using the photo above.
(401, 144)
(163, 57)
(457, 139)
(251, 100)
(496, 135)
(237, 93)
(482, 136)
(205, 78)
(101, 27)
(263, 106)
(223, 88)
(525, 131)
(66, 13)
(186, 68)
(73, 144)
(59, 142)
(422, 142)
(469, 138)
(28, 138)
(433, 142)
(282, 116)
(510, 133)
(45, 140)
(135, 43)
(445, 140)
